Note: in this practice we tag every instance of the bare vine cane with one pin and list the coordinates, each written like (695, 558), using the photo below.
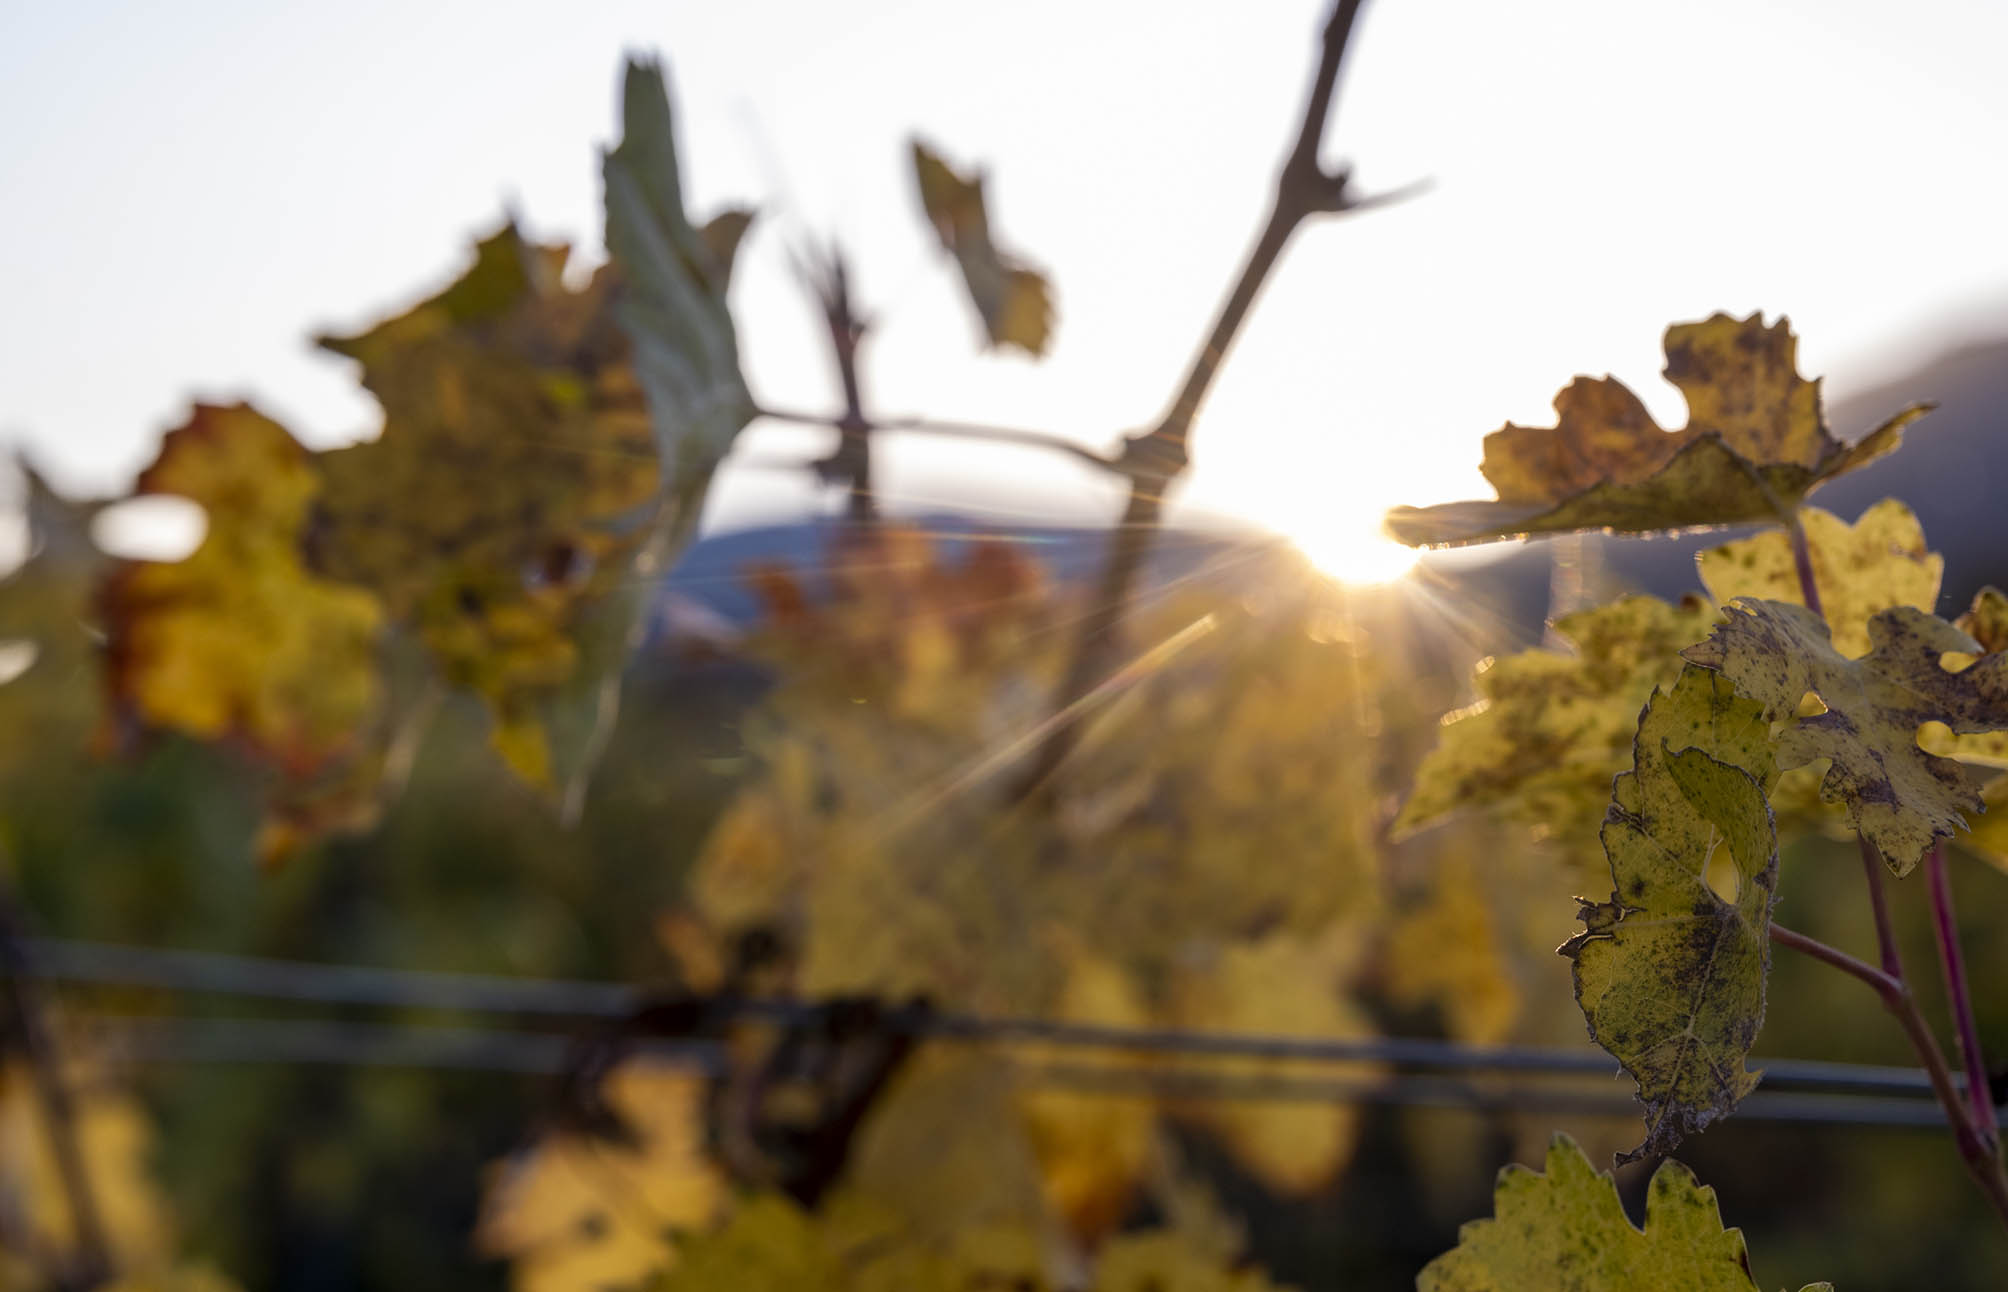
(1972, 1116)
(1154, 459)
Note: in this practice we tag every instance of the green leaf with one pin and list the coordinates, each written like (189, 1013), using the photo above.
(1014, 301)
(671, 299)
(1670, 971)
(1898, 796)
(1566, 1231)
(1860, 570)
(1755, 444)
(1551, 728)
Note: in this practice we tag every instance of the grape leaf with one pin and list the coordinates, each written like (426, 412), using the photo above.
(579, 1211)
(115, 1141)
(1861, 569)
(1551, 728)
(671, 299)
(1985, 621)
(1670, 971)
(852, 1245)
(1091, 1147)
(505, 510)
(1280, 986)
(241, 640)
(1566, 1231)
(1013, 300)
(1898, 796)
(1447, 951)
(1755, 444)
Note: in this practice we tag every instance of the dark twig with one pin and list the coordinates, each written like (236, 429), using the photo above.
(1973, 1119)
(956, 430)
(91, 1262)
(1946, 927)
(829, 278)
(1157, 457)
(1981, 1160)
(1872, 866)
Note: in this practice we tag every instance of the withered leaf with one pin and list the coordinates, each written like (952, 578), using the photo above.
(1754, 446)
(1898, 796)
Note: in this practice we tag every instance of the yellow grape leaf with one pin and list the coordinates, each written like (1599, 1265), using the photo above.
(1551, 728)
(1670, 971)
(850, 1244)
(1280, 986)
(117, 1144)
(1755, 444)
(1566, 1231)
(1448, 951)
(1014, 301)
(241, 640)
(1166, 1260)
(671, 295)
(1986, 622)
(509, 511)
(1861, 569)
(943, 1148)
(1898, 796)
(1092, 1148)
(577, 1211)
(1987, 836)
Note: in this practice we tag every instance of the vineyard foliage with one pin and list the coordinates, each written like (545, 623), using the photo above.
(1262, 827)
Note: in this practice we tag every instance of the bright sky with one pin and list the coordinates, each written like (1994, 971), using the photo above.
(192, 190)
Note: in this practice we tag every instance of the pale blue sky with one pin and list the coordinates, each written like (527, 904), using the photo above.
(192, 190)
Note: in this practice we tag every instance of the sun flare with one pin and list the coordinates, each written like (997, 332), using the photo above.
(1351, 553)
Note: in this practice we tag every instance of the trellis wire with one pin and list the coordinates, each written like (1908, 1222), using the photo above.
(1827, 1092)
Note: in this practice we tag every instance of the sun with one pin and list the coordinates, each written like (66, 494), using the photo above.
(1351, 552)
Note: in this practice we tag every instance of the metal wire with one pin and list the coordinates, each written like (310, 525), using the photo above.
(260, 1041)
(212, 973)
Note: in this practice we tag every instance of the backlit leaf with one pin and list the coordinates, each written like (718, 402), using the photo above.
(1860, 570)
(1013, 300)
(1670, 971)
(1551, 728)
(1566, 1231)
(1897, 795)
(671, 298)
(507, 509)
(241, 640)
(1280, 986)
(1755, 444)
(1091, 1147)
(578, 1211)
(116, 1142)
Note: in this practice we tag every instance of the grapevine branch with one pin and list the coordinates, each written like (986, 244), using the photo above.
(830, 280)
(1946, 926)
(953, 430)
(1972, 1117)
(1155, 458)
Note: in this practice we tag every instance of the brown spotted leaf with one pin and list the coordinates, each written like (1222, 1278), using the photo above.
(1755, 444)
(1566, 1231)
(1860, 570)
(1013, 300)
(504, 510)
(1986, 622)
(1550, 727)
(1898, 796)
(1670, 971)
